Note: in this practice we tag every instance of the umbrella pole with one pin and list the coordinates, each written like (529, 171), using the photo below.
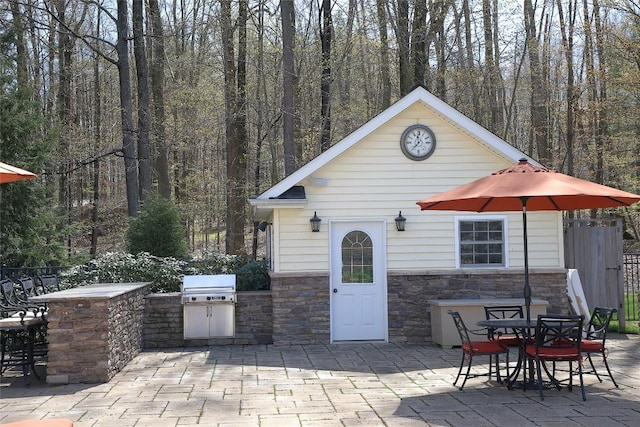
(527, 287)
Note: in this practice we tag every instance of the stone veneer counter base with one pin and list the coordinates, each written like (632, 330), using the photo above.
(93, 331)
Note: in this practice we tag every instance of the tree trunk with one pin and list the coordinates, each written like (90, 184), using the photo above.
(287, 13)
(567, 30)
(470, 61)
(539, 122)
(419, 44)
(64, 108)
(260, 113)
(495, 122)
(126, 109)
(22, 72)
(326, 35)
(139, 49)
(602, 129)
(97, 137)
(384, 55)
(402, 38)
(439, 12)
(235, 82)
(160, 149)
(239, 215)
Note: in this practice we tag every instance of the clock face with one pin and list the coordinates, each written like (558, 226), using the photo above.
(418, 142)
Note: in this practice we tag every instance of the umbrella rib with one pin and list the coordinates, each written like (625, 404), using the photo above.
(485, 204)
(617, 201)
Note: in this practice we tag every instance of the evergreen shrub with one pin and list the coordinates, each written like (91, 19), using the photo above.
(157, 229)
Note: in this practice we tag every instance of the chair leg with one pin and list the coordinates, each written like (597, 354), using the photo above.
(539, 372)
(593, 368)
(3, 343)
(491, 364)
(466, 376)
(584, 396)
(571, 375)
(606, 364)
(460, 370)
(497, 356)
(507, 369)
(498, 375)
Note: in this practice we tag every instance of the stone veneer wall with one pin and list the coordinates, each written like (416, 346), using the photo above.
(301, 310)
(297, 309)
(90, 339)
(163, 321)
(409, 293)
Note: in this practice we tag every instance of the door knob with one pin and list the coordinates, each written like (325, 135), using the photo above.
(335, 290)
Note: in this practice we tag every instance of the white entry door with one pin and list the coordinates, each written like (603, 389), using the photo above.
(358, 281)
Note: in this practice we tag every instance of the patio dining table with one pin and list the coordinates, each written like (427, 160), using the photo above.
(523, 328)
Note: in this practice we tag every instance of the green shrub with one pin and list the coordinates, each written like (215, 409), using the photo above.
(157, 230)
(165, 273)
(251, 275)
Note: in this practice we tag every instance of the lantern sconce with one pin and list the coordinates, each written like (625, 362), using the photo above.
(315, 223)
(262, 226)
(400, 221)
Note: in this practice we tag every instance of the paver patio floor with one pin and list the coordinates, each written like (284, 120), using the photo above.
(350, 384)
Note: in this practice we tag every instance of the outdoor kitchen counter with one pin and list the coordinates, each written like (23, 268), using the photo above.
(93, 330)
(98, 290)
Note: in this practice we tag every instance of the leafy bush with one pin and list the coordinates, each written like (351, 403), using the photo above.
(165, 274)
(157, 230)
(251, 275)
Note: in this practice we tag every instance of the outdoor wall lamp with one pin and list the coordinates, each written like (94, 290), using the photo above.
(400, 221)
(315, 223)
(263, 225)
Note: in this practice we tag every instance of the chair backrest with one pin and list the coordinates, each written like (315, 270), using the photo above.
(28, 287)
(502, 312)
(49, 283)
(8, 291)
(599, 323)
(8, 300)
(460, 326)
(556, 331)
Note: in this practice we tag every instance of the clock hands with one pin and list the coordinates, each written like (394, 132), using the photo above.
(419, 140)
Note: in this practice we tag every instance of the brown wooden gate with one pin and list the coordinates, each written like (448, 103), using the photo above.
(594, 248)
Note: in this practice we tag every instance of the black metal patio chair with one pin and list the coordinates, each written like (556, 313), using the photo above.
(557, 339)
(595, 339)
(479, 347)
(49, 283)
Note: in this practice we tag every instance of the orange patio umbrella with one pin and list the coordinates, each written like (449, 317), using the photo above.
(525, 187)
(10, 173)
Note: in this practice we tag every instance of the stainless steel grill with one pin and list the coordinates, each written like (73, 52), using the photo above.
(209, 305)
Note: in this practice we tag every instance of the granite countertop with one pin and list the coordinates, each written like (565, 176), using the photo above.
(98, 290)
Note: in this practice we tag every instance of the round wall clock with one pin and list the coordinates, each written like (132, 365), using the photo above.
(418, 142)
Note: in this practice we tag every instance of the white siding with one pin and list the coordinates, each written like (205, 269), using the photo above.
(373, 179)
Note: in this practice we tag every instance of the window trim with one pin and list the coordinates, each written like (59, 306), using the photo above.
(505, 234)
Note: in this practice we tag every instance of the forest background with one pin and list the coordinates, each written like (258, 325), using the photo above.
(205, 103)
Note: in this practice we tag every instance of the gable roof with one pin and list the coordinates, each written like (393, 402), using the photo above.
(272, 196)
